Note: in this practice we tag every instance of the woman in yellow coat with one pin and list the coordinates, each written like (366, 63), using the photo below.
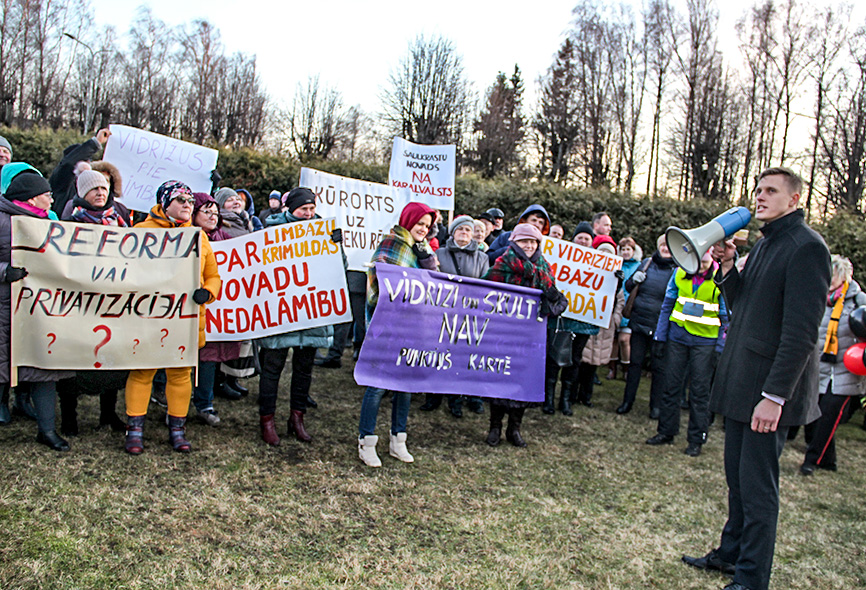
(173, 209)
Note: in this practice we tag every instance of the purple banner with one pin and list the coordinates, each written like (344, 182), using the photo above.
(438, 333)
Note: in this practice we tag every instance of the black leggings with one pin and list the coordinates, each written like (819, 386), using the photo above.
(272, 361)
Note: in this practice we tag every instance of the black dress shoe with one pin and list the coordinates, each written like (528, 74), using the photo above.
(736, 586)
(660, 439)
(328, 363)
(693, 450)
(807, 469)
(711, 561)
(52, 440)
(625, 408)
(311, 403)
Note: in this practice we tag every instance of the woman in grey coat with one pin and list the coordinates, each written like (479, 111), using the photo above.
(28, 194)
(460, 256)
(837, 386)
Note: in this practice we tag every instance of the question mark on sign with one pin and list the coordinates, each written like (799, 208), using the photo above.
(182, 349)
(105, 340)
(53, 337)
(137, 342)
(164, 336)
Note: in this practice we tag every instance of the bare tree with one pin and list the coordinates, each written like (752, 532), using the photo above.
(556, 121)
(426, 100)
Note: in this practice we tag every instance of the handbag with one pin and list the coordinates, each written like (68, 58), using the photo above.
(559, 347)
(626, 311)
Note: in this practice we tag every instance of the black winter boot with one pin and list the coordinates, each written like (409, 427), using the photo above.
(68, 411)
(5, 416)
(22, 405)
(565, 399)
(496, 414)
(549, 395)
(107, 415)
(431, 402)
(512, 433)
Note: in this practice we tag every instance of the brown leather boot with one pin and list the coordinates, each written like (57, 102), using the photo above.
(296, 425)
(269, 430)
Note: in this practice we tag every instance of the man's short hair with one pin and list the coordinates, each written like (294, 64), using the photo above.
(598, 216)
(795, 183)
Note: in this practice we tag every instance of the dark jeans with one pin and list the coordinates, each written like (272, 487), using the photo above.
(821, 434)
(641, 344)
(694, 363)
(752, 474)
(272, 361)
(202, 395)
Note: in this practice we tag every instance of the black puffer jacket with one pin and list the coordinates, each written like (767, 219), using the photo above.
(651, 294)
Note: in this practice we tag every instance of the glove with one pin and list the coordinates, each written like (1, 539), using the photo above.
(200, 296)
(337, 236)
(421, 253)
(638, 277)
(215, 180)
(551, 294)
(619, 274)
(14, 273)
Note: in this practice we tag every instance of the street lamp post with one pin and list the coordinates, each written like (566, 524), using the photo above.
(91, 81)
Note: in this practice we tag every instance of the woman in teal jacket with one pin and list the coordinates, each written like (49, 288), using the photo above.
(274, 350)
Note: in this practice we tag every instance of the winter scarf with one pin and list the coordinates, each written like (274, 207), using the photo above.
(515, 268)
(84, 212)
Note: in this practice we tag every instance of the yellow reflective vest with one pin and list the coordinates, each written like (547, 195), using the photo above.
(696, 311)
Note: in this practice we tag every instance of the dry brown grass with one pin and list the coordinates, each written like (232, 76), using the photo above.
(586, 505)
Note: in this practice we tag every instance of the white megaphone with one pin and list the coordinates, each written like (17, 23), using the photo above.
(689, 246)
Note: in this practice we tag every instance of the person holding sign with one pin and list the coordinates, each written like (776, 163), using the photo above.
(274, 350)
(173, 209)
(407, 246)
(28, 194)
(522, 264)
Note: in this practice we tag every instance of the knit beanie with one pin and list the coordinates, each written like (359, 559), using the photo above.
(599, 240)
(201, 199)
(223, 194)
(461, 220)
(584, 227)
(274, 195)
(413, 212)
(5, 143)
(27, 185)
(298, 197)
(526, 231)
(89, 180)
(170, 189)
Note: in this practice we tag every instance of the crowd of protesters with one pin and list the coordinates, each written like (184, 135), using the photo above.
(666, 324)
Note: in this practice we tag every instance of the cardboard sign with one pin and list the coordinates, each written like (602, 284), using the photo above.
(146, 160)
(426, 170)
(281, 279)
(440, 333)
(365, 211)
(103, 297)
(586, 278)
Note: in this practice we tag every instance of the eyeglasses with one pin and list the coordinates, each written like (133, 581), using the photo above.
(210, 213)
(185, 200)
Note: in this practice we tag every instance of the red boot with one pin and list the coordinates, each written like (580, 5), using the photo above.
(269, 430)
(296, 425)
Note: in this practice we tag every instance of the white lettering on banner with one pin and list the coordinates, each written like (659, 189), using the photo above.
(365, 211)
(586, 278)
(285, 278)
(95, 293)
(146, 160)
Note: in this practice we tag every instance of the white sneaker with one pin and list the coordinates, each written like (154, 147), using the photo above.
(398, 448)
(367, 451)
(208, 416)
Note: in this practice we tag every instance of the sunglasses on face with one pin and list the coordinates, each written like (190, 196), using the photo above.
(185, 200)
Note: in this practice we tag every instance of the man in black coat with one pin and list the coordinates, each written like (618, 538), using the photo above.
(767, 379)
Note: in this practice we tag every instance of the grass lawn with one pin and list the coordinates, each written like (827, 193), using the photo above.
(586, 505)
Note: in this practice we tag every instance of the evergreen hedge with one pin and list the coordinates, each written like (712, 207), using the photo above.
(642, 218)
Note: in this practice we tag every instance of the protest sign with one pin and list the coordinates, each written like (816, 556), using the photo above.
(146, 160)
(440, 333)
(365, 211)
(281, 279)
(426, 170)
(104, 297)
(586, 278)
